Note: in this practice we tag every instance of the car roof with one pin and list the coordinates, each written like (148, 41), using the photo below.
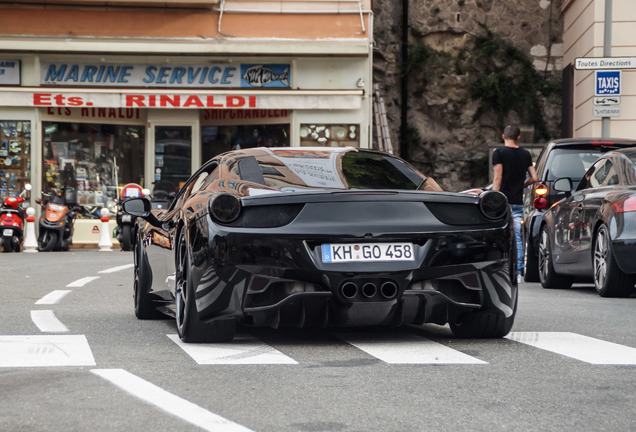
(564, 142)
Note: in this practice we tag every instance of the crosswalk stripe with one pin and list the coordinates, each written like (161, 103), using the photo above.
(579, 347)
(405, 348)
(244, 349)
(45, 351)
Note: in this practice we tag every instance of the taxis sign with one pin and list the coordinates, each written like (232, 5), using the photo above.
(607, 83)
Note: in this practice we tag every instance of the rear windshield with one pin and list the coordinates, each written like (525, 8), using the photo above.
(572, 162)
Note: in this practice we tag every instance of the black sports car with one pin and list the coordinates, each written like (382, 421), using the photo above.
(323, 237)
(592, 232)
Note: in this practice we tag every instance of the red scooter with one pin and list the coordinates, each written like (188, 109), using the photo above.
(56, 222)
(12, 217)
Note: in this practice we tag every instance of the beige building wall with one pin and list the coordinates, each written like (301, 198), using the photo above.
(583, 36)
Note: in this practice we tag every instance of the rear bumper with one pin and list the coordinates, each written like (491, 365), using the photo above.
(270, 280)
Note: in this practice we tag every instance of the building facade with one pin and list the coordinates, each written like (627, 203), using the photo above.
(97, 94)
(599, 96)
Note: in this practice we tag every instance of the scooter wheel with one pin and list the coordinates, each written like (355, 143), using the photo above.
(48, 241)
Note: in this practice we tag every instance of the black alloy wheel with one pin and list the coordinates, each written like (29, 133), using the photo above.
(531, 264)
(189, 327)
(483, 324)
(609, 279)
(144, 306)
(547, 276)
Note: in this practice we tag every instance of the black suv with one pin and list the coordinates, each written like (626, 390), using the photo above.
(570, 157)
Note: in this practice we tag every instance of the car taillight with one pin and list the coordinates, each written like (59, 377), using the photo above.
(629, 205)
(541, 190)
(540, 203)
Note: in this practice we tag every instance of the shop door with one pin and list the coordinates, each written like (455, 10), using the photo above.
(173, 157)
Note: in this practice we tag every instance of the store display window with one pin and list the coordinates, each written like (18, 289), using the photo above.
(88, 163)
(219, 139)
(330, 135)
(173, 158)
(15, 157)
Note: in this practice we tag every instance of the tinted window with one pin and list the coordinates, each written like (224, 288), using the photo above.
(377, 171)
(571, 162)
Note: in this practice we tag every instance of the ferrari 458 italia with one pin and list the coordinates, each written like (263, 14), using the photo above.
(325, 237)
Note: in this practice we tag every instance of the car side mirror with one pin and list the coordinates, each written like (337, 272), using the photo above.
(563, 185)
(140, 207)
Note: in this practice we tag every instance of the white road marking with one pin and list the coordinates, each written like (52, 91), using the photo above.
(404, 348)
(244, 349)
(53, 297)
(45, 351)
(47, 322)
(81, 282)
(168, 402)
(579, 347)
(116, 269)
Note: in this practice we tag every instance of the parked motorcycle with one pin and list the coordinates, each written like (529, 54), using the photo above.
(56, 222)
(12, 219)
(125, 222)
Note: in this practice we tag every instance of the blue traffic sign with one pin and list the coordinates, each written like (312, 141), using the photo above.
(607, 83)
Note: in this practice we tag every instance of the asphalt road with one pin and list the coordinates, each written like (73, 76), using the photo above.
(73, 357)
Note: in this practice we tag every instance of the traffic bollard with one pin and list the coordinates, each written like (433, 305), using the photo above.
(105, 243)
(30, 239)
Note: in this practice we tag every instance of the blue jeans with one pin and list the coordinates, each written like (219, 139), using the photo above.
(517, 216)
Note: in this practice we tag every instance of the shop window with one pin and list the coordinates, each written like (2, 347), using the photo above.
(15, 157)
(173, 157)
(330, 135)
(219, 139)
(88, 163)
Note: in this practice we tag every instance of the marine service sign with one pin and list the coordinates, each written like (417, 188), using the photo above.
(207, 76)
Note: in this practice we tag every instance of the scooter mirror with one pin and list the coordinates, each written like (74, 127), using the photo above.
(28, 187)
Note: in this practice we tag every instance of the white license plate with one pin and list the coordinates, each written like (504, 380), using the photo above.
(7, 232)
(361, 252)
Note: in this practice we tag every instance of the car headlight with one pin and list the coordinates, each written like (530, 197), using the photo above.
(493, 204)
(225, 208)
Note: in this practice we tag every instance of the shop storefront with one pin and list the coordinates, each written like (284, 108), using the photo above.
(98, 125)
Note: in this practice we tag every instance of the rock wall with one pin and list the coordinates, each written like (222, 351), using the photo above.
(468, 75)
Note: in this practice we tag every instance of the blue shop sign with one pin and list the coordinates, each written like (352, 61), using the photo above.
(165, 76)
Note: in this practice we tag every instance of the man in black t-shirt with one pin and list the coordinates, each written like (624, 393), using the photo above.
(512, 172)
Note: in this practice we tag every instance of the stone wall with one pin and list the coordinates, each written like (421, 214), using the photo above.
(449, 43)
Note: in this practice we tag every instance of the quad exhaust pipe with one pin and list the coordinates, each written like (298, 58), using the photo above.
(368, 290)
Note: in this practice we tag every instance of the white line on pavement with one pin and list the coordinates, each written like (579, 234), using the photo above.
(53, 297)
(47, 322)
(406, 348)
(45, 351)
(168, 402)
(81, 282)
(244, 349)
(116, 269)
(577, 346)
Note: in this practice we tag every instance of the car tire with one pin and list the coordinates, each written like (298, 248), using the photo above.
(531, 268)
(483, 324)
(609, 279)
(189, 327)
(48, 241)
(547, 276)
(126, 238)
(144, 306)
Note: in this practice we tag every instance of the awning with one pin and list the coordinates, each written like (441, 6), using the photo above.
(41, 97)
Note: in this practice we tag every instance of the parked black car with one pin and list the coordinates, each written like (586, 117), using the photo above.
(592, 232)
(323, 237)
(559, 158)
